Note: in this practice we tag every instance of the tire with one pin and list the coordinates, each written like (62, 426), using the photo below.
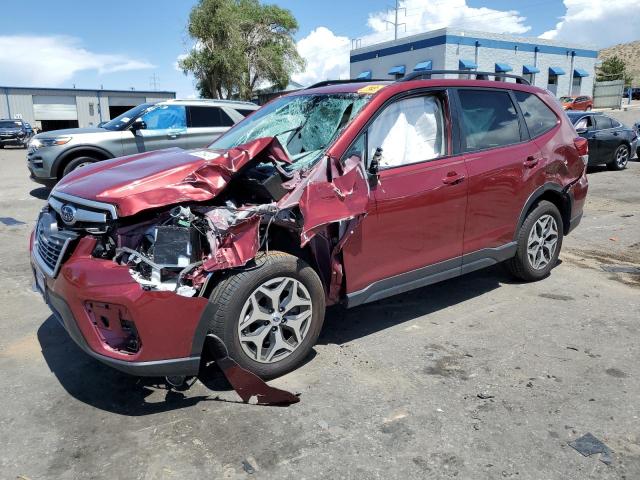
(232, 300)
(522, 265)
(620, 158)
(77, 163)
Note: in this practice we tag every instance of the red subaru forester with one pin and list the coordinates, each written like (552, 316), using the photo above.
(341, 193)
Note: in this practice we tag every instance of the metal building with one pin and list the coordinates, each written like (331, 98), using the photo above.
(55, 108)
(562, 68)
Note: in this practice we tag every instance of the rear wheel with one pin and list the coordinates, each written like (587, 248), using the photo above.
(539, 242)
(270, 316)
(620, 158)
(78, 163)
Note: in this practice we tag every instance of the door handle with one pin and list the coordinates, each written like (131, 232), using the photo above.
(452, 178)
(531, 161)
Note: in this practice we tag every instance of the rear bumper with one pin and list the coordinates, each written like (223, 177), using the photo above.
(578, 194)
(94, 299)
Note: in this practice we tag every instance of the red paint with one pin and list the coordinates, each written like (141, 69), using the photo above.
(164, 177)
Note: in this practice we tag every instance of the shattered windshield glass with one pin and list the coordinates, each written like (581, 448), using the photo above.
(304, 124)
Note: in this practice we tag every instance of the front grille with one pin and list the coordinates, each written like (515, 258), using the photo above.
(89, 216)
(51, 244)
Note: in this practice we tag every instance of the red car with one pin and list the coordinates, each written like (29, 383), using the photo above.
(346, 192)
(584, 103)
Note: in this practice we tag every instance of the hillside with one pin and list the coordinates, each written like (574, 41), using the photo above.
(630, 53)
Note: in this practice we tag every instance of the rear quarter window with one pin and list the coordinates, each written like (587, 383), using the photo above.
(538, 117)
(244, 112)
(489, 119)
(208, 117)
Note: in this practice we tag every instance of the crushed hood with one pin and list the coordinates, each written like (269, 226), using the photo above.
(166, 177)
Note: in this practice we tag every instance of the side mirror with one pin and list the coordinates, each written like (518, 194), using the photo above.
(138, 124)
(374, 167)
(581, 131)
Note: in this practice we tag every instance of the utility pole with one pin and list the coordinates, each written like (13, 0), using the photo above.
(395, 23)
(153, 82)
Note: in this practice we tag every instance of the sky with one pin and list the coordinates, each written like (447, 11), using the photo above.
(122, 44)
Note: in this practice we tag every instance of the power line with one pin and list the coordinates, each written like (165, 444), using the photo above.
(154, 81)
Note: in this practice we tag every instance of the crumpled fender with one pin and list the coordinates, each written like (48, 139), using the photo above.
(166, 177)
(344, 197)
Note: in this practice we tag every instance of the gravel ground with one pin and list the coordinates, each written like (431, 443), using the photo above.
(392, 390)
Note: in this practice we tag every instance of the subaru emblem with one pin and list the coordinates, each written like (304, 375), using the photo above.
(68, 214)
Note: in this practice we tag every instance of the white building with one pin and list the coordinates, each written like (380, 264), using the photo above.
(55, 108)
(562, 68)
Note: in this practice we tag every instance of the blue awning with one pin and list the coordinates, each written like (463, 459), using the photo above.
(503, 67)
(556, 71)
(578, 72)
(422, 66)
(397, 70)
(366, 75)
(529, 69)
(467, 65)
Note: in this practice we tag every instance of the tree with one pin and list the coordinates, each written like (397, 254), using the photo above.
(239, 45)
(613, 68)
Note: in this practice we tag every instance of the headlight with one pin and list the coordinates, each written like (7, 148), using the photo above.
(48, 142)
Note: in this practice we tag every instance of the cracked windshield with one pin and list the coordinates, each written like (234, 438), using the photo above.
(305, 125)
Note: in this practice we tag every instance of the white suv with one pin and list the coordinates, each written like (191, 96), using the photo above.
(151, 126)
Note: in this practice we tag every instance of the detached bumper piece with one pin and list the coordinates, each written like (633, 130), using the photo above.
(244, 382)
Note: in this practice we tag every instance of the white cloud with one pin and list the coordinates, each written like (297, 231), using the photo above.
(50, 61)
(600, 22)
(327, 54)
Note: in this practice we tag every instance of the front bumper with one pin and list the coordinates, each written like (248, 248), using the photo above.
(168, 325)
(12, 140)
(40, 164)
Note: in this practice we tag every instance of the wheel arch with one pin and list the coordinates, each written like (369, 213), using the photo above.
(553, 193)
(65, 157)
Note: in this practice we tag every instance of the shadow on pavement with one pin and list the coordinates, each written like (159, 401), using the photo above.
(41, 193)
(342, 325)
(95, 384)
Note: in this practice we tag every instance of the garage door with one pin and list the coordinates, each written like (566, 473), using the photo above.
(54, 107)
(125, 101)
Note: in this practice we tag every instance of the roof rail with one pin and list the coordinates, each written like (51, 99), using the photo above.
(325, 83)
(426, 75)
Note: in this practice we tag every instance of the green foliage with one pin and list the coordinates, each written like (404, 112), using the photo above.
(613, 68)
(240, 44)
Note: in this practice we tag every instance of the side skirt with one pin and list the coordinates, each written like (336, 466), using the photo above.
(428, 275)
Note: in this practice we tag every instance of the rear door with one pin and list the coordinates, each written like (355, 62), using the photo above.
(606, 137)
(503, 167)
(419, 198)
(205, 124)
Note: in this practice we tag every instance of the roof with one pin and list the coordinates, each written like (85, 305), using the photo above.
(354, 87)
(56, 89)
(212, 101)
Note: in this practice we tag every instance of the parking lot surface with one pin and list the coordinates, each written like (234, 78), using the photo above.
(393, 390)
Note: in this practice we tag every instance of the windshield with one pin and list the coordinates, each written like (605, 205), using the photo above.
(566, 99)
(9, 124)
(121, 121)
(305, 125)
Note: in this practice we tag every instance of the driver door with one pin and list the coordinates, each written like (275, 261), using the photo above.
(413, 234)
(166, 127)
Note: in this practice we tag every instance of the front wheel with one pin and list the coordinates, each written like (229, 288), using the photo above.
(269, 316)
(539, 242)
(77, 163)
(620, 158)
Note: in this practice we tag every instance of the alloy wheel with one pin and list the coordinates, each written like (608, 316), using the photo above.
(542, 242)
(622, 156)
(275, 319)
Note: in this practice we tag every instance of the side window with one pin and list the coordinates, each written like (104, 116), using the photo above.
(602, 122)
(208, 117)
(538, 117)
(489, 119)
(408, 131)
(244, 111)
(357, 149)
(584, 123)
(166, 117)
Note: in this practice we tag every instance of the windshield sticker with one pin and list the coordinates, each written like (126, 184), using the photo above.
(205, 155)
(370, 89)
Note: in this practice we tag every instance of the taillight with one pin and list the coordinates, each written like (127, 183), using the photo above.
(582, 145)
